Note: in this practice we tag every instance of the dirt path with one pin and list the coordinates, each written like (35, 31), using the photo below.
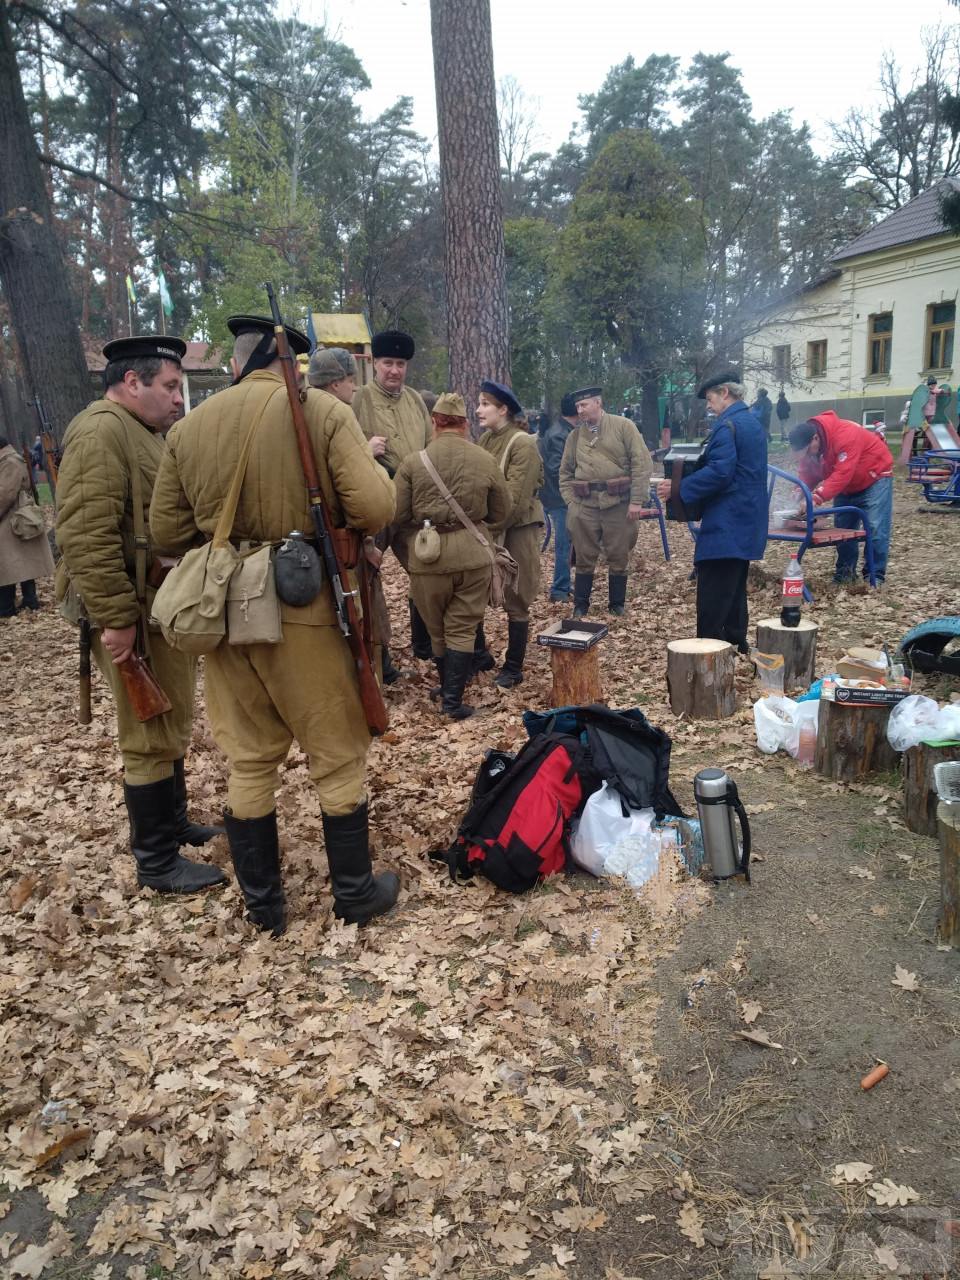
(482, 1087)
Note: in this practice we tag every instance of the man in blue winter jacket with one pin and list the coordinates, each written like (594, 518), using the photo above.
(731, 486)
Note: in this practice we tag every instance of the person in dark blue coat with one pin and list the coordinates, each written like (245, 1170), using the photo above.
(731, 486)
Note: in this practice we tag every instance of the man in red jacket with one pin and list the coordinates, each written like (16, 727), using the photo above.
(847, 465)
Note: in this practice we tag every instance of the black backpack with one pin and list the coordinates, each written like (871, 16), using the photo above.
(625, 749)
(516, 830)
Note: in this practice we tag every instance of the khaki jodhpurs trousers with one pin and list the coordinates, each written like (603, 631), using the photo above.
(150, 747)
(452, 605)
(260, 697)
(593, 531)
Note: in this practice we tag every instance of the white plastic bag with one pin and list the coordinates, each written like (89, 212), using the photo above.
(912, 720)
(947, 728)
(609, 842)
(777, 724)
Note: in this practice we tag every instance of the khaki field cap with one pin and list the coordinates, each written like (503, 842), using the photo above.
(330, 364)
(451, 404)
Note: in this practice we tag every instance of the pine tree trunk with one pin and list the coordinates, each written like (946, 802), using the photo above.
(477, 319)
(32, 268)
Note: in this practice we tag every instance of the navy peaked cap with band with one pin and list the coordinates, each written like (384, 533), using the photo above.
(299, 342)
(717, 380)
(585, 393)
(145, 346)
(392, 344)
(502, 394)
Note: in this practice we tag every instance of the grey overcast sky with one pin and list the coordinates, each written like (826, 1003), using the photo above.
(815, 58)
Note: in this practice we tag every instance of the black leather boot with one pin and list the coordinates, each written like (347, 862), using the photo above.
(457, 667)
(8, 601)
(391, 674)
(358, 895)
(255, 849)
(512, 672)
(437, 689)
(419, 636)
(153, 839)
(582, 589)
(618, 594)
(28, 590)
(188, 832)
(483, 659)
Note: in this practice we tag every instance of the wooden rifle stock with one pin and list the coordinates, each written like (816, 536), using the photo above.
(33, 484)
(348, 617)
(85, 713)
(48, 444)
(143, 692)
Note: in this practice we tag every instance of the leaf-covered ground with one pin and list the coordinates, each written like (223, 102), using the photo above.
(479, 1086)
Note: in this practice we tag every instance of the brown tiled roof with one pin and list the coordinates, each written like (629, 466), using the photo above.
(918, 220)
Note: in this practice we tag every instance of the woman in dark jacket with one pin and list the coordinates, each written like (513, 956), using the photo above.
(731, 486)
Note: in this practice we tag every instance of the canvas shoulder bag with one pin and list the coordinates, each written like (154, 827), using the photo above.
(505, 568)
(190, 606)
(27, 520)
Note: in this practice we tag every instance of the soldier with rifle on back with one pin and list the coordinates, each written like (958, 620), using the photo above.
(111, 453)
(315, 684)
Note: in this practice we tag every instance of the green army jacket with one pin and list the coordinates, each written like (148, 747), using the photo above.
(523, 473)
(615, 449)
(403, 420)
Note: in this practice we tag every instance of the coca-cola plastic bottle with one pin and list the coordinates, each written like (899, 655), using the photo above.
(792, 594)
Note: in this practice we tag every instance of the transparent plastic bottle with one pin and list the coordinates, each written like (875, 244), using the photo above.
(808, 744)
(792, 594)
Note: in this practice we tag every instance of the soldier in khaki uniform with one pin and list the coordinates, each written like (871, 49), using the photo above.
(450, 590)
(515, 451)
(260, 697)
(605, 480)
(397, 423)
(111, 454)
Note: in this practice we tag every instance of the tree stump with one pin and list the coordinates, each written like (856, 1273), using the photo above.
(576, 677)
(798, 646)
(700, 677)
(852, 742)
(948, 828)
(919, 793)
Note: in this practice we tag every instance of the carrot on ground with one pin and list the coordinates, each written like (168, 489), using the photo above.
(875, 1076)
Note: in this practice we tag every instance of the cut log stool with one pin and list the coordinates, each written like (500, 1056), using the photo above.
(948, 828)
(576, 677)
(919, 793)
(799, 648)
(700, 677)
(852, 742)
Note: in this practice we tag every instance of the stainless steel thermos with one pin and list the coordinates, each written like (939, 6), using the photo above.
(718, 805)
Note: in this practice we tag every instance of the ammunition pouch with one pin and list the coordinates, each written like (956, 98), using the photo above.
(581, 488)
(159, 569)
(619, 486)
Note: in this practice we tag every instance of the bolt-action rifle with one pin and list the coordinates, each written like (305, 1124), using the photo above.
(331, 543)
(49, 445)
(33, 484)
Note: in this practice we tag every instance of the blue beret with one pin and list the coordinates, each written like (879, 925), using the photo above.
(503, 395)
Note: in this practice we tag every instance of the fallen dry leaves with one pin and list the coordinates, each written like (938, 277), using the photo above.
(466, 1086)
(904, 979)
(888, 1193)
(854, 1171)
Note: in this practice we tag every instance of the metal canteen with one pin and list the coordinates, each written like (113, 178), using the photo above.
(298, 570)
(718, 807)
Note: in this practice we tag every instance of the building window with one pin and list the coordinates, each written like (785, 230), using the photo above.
(817, 358)
(781, 364)
(880, 343)
(941, 320)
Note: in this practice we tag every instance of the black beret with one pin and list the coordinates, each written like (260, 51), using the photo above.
(716, 380)
(299, 342)
(393, 344)
(503, 395)
(568, 406)
(151, 346)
